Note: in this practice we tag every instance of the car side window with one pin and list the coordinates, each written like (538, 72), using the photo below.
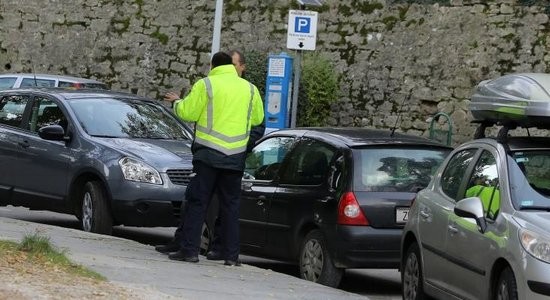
(12, 108)
(46, 112)
(484, 184)
(309, 163)
(455, 171)
(7, 82)
(30, 82)
(265, 159)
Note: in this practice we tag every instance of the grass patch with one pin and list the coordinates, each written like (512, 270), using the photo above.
(37, 249)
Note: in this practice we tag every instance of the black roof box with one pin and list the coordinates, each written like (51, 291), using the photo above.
(514, 100)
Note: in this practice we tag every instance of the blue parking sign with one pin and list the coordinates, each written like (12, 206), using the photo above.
(302, 24)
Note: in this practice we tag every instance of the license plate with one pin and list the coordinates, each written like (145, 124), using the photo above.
(401, 214)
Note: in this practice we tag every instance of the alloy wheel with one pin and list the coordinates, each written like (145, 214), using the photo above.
(502, 292)
(312, 260)
(410, 277)
(205, 239)
(87, 212)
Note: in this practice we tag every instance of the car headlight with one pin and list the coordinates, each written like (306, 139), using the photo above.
(136, 170)
(536, 244)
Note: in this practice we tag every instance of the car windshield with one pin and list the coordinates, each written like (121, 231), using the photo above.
(126, 118)
(395, 169)
(530, 179)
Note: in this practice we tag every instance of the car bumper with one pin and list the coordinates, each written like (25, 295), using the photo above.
(365, 247)
(147, 205)
(537, 277)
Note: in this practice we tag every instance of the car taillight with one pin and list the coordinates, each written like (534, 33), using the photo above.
(349, 211)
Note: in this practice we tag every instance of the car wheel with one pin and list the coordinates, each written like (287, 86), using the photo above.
(205, 239)
(96, 214)
(411, 276)
(506, 288)
(315, 261)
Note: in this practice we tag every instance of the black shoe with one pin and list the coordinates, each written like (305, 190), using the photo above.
(168, 248)
(183, 257)
(214, 255)
(236, 263)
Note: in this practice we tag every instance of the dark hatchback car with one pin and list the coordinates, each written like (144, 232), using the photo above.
(333, 198)
(108, 158)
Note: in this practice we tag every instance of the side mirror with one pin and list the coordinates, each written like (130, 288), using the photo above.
(52, 133)
(472, 208)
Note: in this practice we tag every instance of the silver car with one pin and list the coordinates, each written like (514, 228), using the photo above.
(481, 229)
(26, 80)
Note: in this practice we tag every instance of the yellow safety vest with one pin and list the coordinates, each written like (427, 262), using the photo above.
(224, 107)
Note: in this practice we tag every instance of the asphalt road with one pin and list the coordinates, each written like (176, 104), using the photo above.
(377, 284)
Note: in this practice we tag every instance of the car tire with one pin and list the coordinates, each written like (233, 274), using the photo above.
(95, 211)
(506, 287)
(315, 262)
(411, 275)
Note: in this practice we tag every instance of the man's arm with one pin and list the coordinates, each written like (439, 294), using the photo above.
(192, 106)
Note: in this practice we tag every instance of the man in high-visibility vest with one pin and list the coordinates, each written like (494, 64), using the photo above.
(224, 107)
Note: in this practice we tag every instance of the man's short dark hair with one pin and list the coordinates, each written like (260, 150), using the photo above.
(220, 59)
(240, 54)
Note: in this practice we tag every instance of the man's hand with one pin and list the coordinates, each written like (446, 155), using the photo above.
(171, 97)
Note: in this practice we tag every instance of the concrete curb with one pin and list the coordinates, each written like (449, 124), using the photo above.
(134, 265)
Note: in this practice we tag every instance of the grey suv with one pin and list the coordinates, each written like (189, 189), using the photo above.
(109, 158)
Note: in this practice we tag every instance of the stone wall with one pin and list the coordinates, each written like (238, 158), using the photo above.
(392, 56)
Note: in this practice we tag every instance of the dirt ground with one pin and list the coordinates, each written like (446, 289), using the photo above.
(21, 279)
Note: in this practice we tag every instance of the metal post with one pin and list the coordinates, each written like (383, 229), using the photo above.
(217, 27)
(296, 84)
(296, 87)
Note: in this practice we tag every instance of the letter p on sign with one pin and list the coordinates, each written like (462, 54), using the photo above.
(302, 24)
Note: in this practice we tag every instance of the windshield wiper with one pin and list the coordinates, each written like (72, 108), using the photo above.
(543, 208)
(105, 136)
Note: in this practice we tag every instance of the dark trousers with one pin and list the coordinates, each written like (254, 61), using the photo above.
(227, 184)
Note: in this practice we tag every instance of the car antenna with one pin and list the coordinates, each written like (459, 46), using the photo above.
(34, 74)
(399, 112)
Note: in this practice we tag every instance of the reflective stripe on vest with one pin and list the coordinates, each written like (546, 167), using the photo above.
(210, 124)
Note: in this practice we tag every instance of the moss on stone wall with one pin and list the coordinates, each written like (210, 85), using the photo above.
(120, 26)
(366, 7)
(163, 38)
(70, 24)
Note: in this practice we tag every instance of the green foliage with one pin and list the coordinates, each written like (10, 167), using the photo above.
(318, 85)
(318, 90)
(40, 250)
(256, 69)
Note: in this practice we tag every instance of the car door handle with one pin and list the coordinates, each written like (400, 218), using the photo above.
(326, 199)
(24, 144)
(452, 229)
(247, 186)
(424, 215)
(260, 201)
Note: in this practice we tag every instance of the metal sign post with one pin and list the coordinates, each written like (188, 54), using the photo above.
(217, 28)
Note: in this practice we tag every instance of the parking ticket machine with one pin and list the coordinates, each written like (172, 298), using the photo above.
(278, 87)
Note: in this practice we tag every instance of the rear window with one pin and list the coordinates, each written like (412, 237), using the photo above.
(386, 169)
(7, 82)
